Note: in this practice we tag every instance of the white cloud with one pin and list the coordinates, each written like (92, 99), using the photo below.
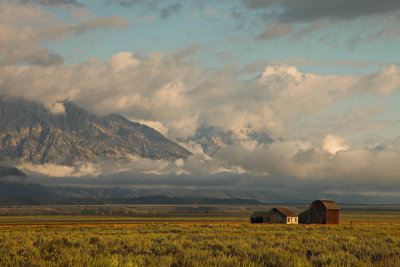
(171, 90)
(53, 170)
(300, 160)
(24, 28)
(384, 82)
(122, 61)
(57, 108)
(333, 144)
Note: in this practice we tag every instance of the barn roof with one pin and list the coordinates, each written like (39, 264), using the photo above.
(329, 204)
(286, 211)
(259, 213)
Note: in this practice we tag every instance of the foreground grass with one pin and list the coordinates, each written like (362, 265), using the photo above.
(202, 245)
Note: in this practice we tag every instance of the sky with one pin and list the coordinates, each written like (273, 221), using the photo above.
(320, 77)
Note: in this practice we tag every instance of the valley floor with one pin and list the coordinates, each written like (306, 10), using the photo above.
(198, 240)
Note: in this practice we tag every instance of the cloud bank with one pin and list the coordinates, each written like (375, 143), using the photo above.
(293, 167)
(180, 99)
(172, 90)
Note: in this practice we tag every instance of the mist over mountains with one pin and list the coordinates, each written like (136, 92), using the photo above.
(212, 139)
(132, 160)
(32, 133)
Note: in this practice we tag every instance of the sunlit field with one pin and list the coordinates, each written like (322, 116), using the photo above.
(163, 244)
(361, 238)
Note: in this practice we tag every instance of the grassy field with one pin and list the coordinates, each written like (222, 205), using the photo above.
(161, 244)
(196, 239)
(346, 217)
(370, 216)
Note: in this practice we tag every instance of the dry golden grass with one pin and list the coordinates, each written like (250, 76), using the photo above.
(102, 242)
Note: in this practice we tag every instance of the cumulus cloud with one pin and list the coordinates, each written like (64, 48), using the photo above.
(385, 81)
(40, 56)
(170, 89)
(305, 160)
(172, 93)
(25, 28)
(122, 61)
(333, 144)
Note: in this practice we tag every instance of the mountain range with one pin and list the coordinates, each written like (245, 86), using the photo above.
(213, 139)
(31, 132)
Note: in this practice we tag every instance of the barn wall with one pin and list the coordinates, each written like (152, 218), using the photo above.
(319, 216)
(304, 217)
(332, 217)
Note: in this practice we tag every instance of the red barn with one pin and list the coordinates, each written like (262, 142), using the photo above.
(321, 211)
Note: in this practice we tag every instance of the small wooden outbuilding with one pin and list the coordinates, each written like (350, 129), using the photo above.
(321, 211)
(275, 215)
(282, 215)
(258, 216)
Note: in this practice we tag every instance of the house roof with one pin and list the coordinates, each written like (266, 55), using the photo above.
(285, 211)
(259, 213)
(329, 204)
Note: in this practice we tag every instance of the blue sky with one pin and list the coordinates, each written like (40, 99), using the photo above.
(215, 25)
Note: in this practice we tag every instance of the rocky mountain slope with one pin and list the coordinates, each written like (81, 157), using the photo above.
(30, 132)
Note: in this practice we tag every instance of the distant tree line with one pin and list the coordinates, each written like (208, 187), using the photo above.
(152, 200)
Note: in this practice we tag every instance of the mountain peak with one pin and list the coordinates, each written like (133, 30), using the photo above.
(30, 132)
